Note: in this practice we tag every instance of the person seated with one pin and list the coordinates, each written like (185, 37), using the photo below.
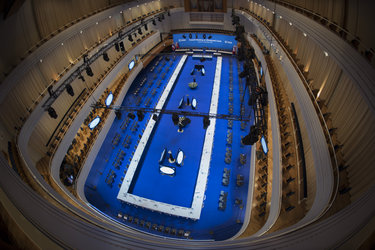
(183, 122)
(171, 159)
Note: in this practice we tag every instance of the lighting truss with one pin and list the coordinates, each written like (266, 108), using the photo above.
(87, 61)
(178, 112)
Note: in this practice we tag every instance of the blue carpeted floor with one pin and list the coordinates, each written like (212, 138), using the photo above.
(178, 190)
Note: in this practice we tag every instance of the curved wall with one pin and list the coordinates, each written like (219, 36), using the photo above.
(342, 79)
(309, 233)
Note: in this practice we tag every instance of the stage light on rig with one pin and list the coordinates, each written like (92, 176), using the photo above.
(252, 137)
(131, 116)
(52, 113)
(140, 115)
(69, 89)
(89, 71)
(206, 122)
(105, 57)
(175, 118)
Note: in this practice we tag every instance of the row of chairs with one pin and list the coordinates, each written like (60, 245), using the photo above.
(332, 131)
(153, 226)
(289, 175)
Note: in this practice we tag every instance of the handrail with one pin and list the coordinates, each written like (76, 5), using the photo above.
(342, 32)
(315, 103)
(175, 31)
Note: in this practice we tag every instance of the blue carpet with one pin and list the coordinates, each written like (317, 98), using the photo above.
(177, 190)
(214, 223)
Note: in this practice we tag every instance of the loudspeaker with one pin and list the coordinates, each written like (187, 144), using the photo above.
(175, 118)
(122, 47)
(69, 89)
(52, 113)
(118, 114)
(89, 71)
(206, 122)
(105, 57)
(140, 115)
(252, 137)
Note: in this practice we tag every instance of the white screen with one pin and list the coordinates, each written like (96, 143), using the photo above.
(94, 122)
(264, 144)
(131, 65)
(109, 99)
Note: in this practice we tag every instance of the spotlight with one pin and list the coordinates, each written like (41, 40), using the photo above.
(252, 99)
(146, 28)
(196, 36)
(235, 20)
(140, 115)
(89, 71)
(69, 89)
(81, 78)
(130, 38)
(175, 118)
(169, 14)
(105, 57)
(159, 19)
(52, 113)
(209, 37)
(131, 116)
(190, 36)
(118, 114)
(122, 47)
(252, 137)
(51, 93)
(117, 47)
(155, 117)
(184, 36)
(244, 73)
(240, 30)
(206, 122)
(162, 16)
(204, 36)
(153, 22)
(140, 31)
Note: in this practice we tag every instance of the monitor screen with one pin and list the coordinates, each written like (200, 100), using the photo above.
(94, 122)
(131, 65)
(109, 99)
(264, 144)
